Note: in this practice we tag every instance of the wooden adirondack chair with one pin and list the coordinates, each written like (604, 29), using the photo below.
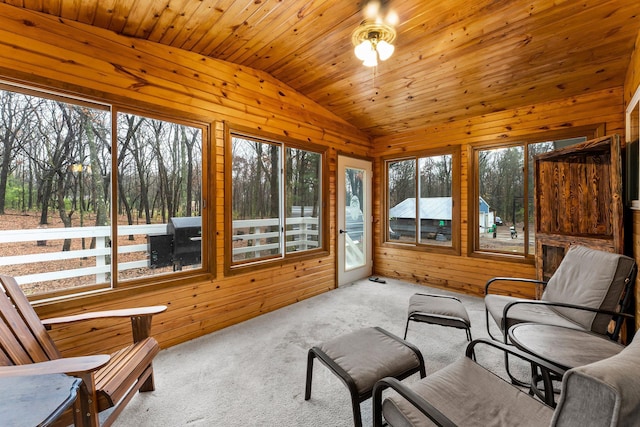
(107, 382)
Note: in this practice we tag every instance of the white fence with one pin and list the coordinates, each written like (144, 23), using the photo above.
(101, 253)
(259, 241)
(303, 234)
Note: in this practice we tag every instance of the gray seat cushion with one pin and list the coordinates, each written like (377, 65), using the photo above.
(590, 278)
(469, 395)
(585, 277)
(524, 313)
(438, 309)
(604, 393)
(368, 355)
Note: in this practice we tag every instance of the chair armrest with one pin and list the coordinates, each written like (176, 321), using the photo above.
(527, 357)
(428, 409)
(125, 312)
(140, 319)
(412, 397)
(68, 365)
(512, 279)
(508, 306)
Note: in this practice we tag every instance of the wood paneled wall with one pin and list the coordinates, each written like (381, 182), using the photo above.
(467, 273)
(86, 61)
(82, 60)
(632, 79)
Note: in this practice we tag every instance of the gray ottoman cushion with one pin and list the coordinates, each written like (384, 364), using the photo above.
(368, 355)
(439, 310)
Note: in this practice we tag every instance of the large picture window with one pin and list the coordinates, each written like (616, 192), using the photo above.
(422, 206)
(275, 195)
(91, 197)
(504, 196)
(159, 205)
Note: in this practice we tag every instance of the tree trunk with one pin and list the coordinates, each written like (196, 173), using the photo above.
(66, 218)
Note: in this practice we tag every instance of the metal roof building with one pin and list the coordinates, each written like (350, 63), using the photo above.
(430, 208)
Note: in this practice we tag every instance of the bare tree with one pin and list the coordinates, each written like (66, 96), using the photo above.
(16, 115)
(401, 178)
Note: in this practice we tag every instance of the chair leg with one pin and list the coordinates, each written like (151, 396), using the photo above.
(486, 316)
(378, 388)
(86, 408)
(355, 399)
(514, 380)
(406, 328)
(310, 357)
(357, 417)
(149, 384)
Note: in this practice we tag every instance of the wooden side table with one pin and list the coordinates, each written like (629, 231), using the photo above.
(36, 400)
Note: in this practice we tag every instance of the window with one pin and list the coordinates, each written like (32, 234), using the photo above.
(504, 196)
(91, 198)
(632, 156)
(422, 201)
(159, 196)
(275, 194)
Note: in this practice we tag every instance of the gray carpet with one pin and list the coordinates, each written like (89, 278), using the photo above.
(253, 373)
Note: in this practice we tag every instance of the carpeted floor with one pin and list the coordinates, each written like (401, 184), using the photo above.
(253, 373)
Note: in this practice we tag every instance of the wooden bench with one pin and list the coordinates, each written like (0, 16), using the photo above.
(109, 384)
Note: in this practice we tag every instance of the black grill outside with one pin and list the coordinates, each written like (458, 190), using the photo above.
(182, 245)
(187, 239)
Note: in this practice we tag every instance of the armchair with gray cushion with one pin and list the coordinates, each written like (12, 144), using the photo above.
(589, 289)
(604, 393)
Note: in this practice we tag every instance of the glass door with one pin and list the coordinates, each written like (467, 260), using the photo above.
(354, 220)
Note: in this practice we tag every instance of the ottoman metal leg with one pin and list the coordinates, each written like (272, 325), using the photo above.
(340, 373)
(440, 310)
(396, 358)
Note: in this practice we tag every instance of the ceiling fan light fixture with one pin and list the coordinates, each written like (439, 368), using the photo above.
(385, 50)
(373, 38)
(371, 60)
(363, 49)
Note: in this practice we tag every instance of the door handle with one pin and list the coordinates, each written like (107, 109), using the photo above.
(341, 231)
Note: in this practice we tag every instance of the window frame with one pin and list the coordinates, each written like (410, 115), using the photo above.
(233, 268)
(386, 241)
(473, 235)
(206, 271)
(116, 286)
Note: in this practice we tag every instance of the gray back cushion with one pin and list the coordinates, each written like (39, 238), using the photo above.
(604, 393)
(591, 278)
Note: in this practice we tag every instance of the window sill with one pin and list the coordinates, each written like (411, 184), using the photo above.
(45, 304)
(504, 257)
(444, 250)
(248, 267)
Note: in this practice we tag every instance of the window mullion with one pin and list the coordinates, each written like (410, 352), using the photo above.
(114, 188)
(282, 201)
(525, 199)
(418, 201)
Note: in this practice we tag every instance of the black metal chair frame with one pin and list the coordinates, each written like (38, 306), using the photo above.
(618, 317)
(356, 398)
(425, 407)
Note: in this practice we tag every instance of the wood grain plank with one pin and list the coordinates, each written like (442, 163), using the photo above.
(132, 71)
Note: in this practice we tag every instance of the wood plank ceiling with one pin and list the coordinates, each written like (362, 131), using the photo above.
(454, 59)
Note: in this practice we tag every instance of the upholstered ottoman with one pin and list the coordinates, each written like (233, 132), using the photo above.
(363, 357)
(440, 310)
